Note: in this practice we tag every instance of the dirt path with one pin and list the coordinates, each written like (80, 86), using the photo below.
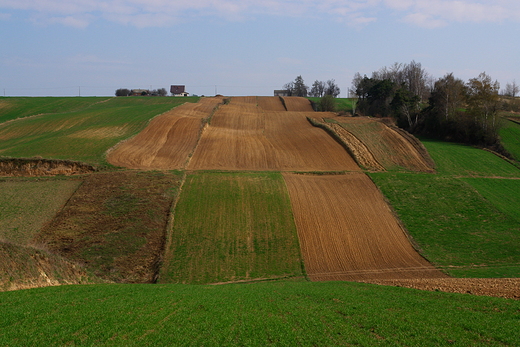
(347, 232)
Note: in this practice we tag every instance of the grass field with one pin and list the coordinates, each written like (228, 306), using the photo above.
(461, 160)
(510, 138)
(261, 314)
(504, 194)
(21, 107)
(342, 104)
(455, 227)
(83, 135)
(231, 227)
(27, 204)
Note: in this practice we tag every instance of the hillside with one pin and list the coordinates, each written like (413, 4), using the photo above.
(267, 202)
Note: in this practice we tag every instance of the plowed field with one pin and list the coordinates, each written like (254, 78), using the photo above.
(243, 136)
(293, 103)
(390, 148)
(168, 140)
(347, 232)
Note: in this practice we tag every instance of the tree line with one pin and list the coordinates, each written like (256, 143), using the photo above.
(326, 91)
(142, 92)
(446, 108)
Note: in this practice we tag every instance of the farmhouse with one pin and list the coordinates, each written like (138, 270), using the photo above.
(178, 90)
(282, 93)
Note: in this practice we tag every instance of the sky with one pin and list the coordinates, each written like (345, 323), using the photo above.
(246, 47)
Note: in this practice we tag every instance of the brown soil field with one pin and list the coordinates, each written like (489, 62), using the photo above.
(268, 103)
(392, 148)
(115, 224)
(169, 139)
(294, 103)
(242, 136)
(499, 287)
(348, 232)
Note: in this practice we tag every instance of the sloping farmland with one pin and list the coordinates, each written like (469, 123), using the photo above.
(243, 136)
(294, 103)
(347, 231)
(393, 149)
(168, 140)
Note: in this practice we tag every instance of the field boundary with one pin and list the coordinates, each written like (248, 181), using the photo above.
(28, 167)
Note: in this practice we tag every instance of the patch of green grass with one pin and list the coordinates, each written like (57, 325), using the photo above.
(510, 138)
(27, 205)
(261, 314)
(230, 227)
(455, 227)
(504, 194)
(343, 105)
(457, 159)
(21, 107)
(84, 135)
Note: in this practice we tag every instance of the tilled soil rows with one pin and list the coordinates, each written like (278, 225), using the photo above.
(347, 232)
(390, 148)
(242, 136)
(168, 140)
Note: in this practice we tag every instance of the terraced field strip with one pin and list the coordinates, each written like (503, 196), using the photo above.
(243, 136)
(168, 140)
(347, 231)
(232, 227)
(389, 147)
(268, 103)
(294, 103)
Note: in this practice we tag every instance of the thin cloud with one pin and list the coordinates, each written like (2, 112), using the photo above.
(425, 13)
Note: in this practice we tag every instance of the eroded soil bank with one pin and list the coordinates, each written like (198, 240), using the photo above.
(28, 167)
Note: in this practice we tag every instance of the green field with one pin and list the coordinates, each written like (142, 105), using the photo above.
(510, 138)
(260, 314)
(455, 227)
(504, 194)
(231, 227)
(84, 135)
(21, 107)
(343, 105)
(461, 160)
(28, 204)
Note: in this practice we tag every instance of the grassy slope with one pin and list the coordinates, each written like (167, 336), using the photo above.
(83, 135)
(21, 107)
(465, 224)
(27, 204)
(510, 138)
(272, 314)
(342, 104)
(232, 226)
(115, 224)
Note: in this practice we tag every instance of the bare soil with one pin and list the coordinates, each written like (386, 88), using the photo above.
(243, 136)
(169, 139)
(499, 287)
(389, 146)
(294, 103)
(348, 232)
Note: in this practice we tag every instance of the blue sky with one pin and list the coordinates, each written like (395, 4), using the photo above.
(246, 47)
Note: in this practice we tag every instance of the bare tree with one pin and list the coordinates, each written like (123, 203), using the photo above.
(332, 88)
(318, 89)
(512, 89)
